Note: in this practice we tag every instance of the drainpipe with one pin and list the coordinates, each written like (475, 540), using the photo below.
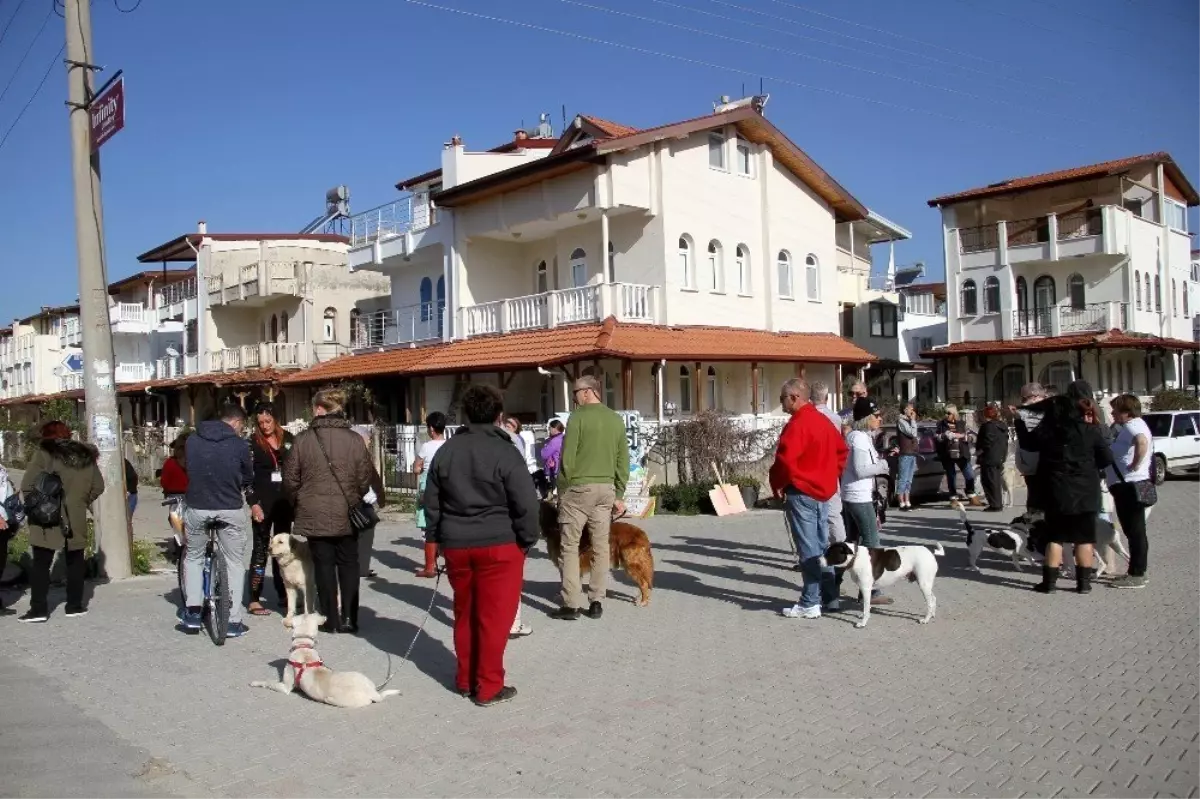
(201, 311)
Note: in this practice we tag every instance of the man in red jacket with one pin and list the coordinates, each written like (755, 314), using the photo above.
(809, 460)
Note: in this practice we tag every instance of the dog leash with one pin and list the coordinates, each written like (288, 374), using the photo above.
(413, 643)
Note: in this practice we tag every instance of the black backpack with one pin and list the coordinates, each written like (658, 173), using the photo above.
(43, 502)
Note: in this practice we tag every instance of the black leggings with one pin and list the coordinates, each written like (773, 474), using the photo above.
(260, 554)
(39, 578)
(335, 561)
(992, 478)
(1132, 515)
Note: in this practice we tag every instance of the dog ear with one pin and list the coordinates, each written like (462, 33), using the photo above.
(317, 618)
(891, 559)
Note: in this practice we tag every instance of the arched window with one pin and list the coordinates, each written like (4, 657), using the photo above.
(784, 266)
(685, 261)
(330, 325)
(1184, 297)
(274, 328)
(425, 292)
(612, 263)
(1056, 376)
(1148, 294)
(1174, 300)
(1006, 384)
(1023, 325)
(1075, 290)
(968, 300)
(283, 328)
(685, 390)
(357, 331)
(743, 269)
(812, 276)
(1045, 294)
(1137, 285)
(714, 266)
(541, 278)
(579, 271)
(711, 389)
(441, 301)
(1157, 295)
(991, 295)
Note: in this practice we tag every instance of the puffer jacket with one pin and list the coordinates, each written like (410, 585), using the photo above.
(75, 464)
(322, 508)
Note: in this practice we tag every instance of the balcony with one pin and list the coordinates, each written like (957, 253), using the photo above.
(168, 367)
(1065, 320)
(71, 381)
(131, 317)
(406, 215)
(409, 324)
(255, 283)
(1041, 238)
(171, 298)
(254, 356)
(70, 334)
(628, 302)
(134, 372)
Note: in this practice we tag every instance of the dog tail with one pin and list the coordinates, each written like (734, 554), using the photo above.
(937, 550)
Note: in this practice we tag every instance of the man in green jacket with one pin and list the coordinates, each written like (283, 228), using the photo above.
(591, 482)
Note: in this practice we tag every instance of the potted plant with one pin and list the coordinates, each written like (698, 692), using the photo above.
(749, 488)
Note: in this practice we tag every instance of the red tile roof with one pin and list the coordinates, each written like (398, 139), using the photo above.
(609, 339)
(610, 129)
(1113, 339)
(1014, 185)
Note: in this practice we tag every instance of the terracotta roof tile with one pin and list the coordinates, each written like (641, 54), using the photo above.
(611, 129)
(370, 363)
(1113, 339)
(1069, 175)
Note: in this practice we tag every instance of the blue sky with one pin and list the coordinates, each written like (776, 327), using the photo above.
(244, 113)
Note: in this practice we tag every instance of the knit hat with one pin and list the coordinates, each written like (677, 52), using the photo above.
(864, 407)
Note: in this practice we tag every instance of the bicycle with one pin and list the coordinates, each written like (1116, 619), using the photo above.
(214, 611)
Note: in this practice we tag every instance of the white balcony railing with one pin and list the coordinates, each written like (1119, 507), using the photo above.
(168, 367)
(281, 355)
(263, 278)
(71, 381)
(628, 302)
(70, 334)
(405, 215)
(128, 313)
(177, 292)
(134, 372)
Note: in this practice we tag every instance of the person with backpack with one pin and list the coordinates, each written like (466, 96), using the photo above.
(60, 482)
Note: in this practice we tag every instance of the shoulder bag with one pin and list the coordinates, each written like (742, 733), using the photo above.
(1144, 491)
(362, 513)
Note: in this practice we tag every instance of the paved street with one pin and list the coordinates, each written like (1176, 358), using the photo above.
(706, 692)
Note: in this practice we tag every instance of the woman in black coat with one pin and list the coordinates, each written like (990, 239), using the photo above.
(991, 447)
(1072, 452)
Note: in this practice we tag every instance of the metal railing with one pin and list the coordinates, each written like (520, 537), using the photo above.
(881, 283)
(1078, 224)
(179, 291)
(1093, 317)
(404, 325)
(978, 239)
(409, 213)
(1035, 230)
(168, 367)
(1059, 320)
(1032, 322)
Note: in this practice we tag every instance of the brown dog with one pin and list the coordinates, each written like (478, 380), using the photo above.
(628, 546)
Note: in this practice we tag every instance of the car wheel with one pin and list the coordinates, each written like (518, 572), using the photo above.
(1160, 469)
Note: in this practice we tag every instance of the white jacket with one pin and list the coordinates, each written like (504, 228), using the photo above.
(862, 467)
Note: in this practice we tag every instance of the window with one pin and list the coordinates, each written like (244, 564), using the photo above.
(968, 300)
(1184, 296)
(1183, 426)
(274, 328)
(1195, 272)
(1133, 205)
(710, 390)
(714, 266)
(425, 292)
(330, 326)
(579, 276)
(1006, 385)
(610, 390)
(685, 390)
(1137, 285)
(541, 278)
(441, 301)
(685, 261)
(784, 266)
(283, 328)
(743, 269)
(991, 295)
(883, 320)
(812, 274)
(1057, 376)
(1157, 295)
(612, 263)
(1174, 301)
(1148, 295)
(743, 157)
(716, 151)
(358, 331)
(1176, 215)
(848, 321)
(1075, 291)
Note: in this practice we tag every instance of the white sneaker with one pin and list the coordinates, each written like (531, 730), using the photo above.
(797, 612)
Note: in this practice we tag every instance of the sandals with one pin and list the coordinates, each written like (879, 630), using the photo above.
(257, 609)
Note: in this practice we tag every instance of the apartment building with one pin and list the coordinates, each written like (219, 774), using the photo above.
(691, 265)
(36, 358)
(1083, 272)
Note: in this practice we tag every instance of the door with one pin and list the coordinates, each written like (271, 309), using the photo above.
(1185, 440)
(1044, 299)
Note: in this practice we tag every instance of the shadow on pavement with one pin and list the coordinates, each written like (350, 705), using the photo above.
(430, 656)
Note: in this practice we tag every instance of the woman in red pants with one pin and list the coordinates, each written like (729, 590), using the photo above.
(481, 510)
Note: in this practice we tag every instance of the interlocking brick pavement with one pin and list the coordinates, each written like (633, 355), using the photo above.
(706, 692)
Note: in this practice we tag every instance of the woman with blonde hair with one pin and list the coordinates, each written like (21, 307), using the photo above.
(954, 449)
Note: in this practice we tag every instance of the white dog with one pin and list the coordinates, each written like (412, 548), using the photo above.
(1107, 534)
(884, 566)
(1008, 539)
(296, 569)
(304, 670)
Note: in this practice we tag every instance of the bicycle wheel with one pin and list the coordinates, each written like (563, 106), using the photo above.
(218, 600)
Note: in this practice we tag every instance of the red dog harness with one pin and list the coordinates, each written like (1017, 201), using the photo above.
(300, 667)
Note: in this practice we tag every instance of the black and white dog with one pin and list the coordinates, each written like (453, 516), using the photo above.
(884, 566)
(1011, 539)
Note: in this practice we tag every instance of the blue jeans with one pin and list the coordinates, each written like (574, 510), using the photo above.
(132, 503)
(908, 467)
(808, 520)
(968, 473)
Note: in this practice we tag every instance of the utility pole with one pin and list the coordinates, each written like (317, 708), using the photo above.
(103, 421)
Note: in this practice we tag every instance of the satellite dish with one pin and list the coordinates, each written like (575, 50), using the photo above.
(172, 352)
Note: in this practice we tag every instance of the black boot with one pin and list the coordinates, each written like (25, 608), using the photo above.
(1049, 578)
(1083, 579)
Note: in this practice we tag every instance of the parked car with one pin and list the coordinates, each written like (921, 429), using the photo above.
(929, 475)
(1176, 442)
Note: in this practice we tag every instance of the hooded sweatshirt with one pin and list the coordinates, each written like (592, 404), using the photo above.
(219, 468)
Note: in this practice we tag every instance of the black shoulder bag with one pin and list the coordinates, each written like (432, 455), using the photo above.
(362, 513)
(1144, 491)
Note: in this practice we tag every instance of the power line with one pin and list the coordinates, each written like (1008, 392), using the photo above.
(1028, 19)
(8, 24)
(28, 50)
(726, 67)
(800, 54)
(29, 102)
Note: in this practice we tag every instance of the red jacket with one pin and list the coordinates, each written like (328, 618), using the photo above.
(174, 480)
(810, 456)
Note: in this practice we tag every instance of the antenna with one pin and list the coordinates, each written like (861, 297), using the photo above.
(564, 116)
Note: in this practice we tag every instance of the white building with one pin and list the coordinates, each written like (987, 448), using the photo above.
(33, 353)
(691, 265)
(1079, 273)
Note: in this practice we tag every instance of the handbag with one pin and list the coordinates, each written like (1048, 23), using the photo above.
(362, 514)
(1145, 493)
(14, 509)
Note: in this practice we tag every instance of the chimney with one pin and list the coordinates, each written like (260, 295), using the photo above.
(455, 141)
(520, 135)
(201, 227)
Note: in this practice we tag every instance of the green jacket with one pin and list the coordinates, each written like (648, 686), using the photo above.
(75, 464)
(594, 451)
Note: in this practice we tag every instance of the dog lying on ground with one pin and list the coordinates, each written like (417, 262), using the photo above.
(296, 569)
(1009, 539)
(628, 547)
(885, 566)
(304, 670)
